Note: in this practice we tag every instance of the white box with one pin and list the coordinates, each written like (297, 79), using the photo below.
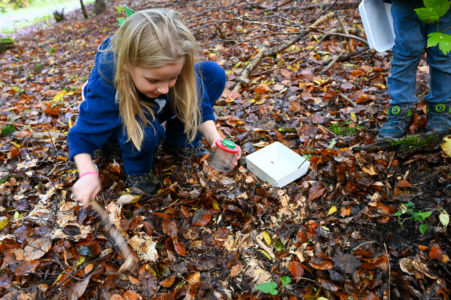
(378, 24)
(277, 164)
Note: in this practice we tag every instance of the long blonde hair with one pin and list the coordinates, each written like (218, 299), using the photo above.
(154, 38)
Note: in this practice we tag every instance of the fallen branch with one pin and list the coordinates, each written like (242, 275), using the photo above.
(332, 62)
(265, 51)
(407, 145)
(245, 74)
(347, 99)
(300, 35)
(130, 259)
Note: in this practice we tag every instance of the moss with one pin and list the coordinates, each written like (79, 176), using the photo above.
(411, 142)
(345, 129)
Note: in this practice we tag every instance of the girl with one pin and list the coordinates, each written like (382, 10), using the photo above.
(144, 75)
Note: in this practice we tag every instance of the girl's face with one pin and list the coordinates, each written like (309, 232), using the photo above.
(154, 82)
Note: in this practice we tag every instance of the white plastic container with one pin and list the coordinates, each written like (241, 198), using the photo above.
(277, 164)
(378, 24)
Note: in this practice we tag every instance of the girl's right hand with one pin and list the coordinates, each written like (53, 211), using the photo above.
(86, 189)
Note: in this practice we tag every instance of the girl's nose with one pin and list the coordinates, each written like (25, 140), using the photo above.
(163, 88)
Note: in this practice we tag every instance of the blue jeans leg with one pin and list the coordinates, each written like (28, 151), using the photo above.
(141, 162)
(212, 79)
(410, 43)
(439, 65)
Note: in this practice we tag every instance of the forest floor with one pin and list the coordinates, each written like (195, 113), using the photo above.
(360, 225)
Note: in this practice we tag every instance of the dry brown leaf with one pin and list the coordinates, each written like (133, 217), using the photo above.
(37, 248)
(236, 270)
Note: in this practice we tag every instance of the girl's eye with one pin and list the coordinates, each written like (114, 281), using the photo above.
(152, 80)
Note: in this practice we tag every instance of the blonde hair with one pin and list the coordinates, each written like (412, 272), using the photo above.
(154, 38)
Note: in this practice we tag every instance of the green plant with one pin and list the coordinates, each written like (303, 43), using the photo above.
(416, 216)
(431, 13)
(270, 287)
(8, 129)
(128, 13)
(344, 128)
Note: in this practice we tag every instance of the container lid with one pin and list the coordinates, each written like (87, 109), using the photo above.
(227, 146)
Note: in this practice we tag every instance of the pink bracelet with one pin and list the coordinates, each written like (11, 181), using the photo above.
(89, 173)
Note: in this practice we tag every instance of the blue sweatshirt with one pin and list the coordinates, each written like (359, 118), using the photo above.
(99, 119)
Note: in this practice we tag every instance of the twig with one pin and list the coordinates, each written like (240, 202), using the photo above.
(368, 242)
(347, 99)
(332, 62)
(266, 51)
(130, 259)
(263, 246)
(345, 31)
(349, 36)
(389, 270)
(301, 35)
(244, 75)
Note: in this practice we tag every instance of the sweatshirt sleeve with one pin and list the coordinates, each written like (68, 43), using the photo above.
(98, 116)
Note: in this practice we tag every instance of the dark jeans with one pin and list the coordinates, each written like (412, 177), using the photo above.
(411, 40)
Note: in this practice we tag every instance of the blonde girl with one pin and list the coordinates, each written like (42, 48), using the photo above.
(145, 88)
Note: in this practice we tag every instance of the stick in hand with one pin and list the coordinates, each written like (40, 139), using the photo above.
(118, 239)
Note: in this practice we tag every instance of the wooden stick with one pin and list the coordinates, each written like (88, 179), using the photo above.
(266, 51)
(244, 75)
(130, 259)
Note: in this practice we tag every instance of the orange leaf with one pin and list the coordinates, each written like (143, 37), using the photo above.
(344, 212)
(168, 282)
(423, 248)
(262, 88)
(52, 110)
(436, 252)
(404, 184)
(133, 280)
(131, 295)
(88, 268)
(324, 265)
(13, 153)
(178, 247)
(296, 270)
(23, 134)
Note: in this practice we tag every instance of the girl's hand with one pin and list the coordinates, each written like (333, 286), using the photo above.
(86, 188)
(237, 156)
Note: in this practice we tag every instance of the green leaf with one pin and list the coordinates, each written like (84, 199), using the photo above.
(423, 228)
(285, 280)
(439, 6)
(278, 245)
(121, 21)
(427, 15)
(398, 213)
(8, 129)
(128, 11)
(444, 218)
(442, 39)
(268, 288)
(423, 215)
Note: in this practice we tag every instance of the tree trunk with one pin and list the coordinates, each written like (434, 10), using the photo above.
(83, 9)
(100, 7)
